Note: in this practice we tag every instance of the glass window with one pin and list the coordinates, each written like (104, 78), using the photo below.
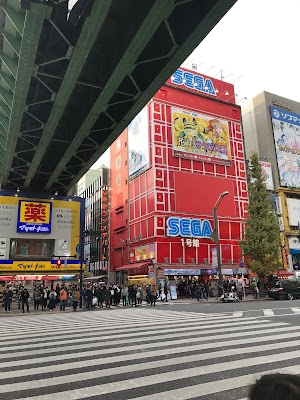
(118, 180)
(31, 249)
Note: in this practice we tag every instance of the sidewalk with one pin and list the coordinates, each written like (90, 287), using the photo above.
(182, 301)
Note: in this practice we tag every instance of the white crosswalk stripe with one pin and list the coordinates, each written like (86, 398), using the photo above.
(266, 312)
(143, 354)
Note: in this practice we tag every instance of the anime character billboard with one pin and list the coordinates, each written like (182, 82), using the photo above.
(286, 130)
(200, 137)
(138, 144)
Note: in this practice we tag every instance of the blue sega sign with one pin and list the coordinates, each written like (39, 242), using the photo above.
(187, 227)
(193, 81)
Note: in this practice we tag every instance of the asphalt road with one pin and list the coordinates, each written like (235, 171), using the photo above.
(173, 351)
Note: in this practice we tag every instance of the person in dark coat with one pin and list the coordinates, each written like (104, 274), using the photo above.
(7, 298)
(89, 298)
(107, 297)
(24, 298)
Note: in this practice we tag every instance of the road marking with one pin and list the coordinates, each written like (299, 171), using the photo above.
(238, 314)
(296, 310)
(268, 312)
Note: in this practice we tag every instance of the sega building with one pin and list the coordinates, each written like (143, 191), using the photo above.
(40, 238)
(168, 169)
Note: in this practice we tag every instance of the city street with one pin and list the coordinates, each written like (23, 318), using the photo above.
(173, 351)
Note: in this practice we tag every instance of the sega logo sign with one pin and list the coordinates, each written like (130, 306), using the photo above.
(193, 81)
(188, 227)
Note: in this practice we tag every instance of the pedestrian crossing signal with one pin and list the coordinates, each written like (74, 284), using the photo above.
(58, 263)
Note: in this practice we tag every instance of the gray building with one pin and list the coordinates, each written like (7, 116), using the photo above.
(271, 125)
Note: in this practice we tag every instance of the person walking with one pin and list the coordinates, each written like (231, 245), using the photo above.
(153, 296)
(37, 297)
(89, 298)
(52, 300)
(100, 297)
(125, 295)
(45, 297)
(166, 291)
(139, 295)
(25, 299)
(75, 298)
(107, 297)
(7, 298)
(63, 295)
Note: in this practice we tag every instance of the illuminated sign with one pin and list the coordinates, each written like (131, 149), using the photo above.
(104, 229)
(39, 266)
(193, 81)
(189, 227)
(34, 217)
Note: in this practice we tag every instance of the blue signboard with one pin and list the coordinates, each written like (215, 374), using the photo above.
(193, 81)
(189, 227)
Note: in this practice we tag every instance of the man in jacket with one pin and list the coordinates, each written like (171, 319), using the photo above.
(7, 298)
(24, 298)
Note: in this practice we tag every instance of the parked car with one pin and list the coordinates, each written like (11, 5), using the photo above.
(285, 289)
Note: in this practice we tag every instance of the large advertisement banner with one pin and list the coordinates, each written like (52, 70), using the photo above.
(286, 130)
(200, 137)
(138, 144)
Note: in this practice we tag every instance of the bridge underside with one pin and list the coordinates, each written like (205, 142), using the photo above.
(68, 90)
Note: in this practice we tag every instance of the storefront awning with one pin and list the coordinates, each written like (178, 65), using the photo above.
(284, 273)
(134, 265)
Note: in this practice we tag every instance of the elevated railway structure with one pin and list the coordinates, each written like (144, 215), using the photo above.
(70, 83)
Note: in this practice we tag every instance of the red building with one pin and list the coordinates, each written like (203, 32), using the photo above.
(167, 171)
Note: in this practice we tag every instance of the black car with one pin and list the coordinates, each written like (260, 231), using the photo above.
(285, 289)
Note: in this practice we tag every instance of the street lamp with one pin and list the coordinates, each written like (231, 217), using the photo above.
(217, 241)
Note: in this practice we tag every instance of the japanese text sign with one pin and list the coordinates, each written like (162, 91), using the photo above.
(34, 217)
(104, 228)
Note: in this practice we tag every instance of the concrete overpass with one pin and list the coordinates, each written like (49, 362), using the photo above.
(68, 89)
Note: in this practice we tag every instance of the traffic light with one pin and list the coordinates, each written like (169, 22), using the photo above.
(58, 263)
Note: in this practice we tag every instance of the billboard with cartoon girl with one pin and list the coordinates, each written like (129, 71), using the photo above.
(200, 137)
(286, 130)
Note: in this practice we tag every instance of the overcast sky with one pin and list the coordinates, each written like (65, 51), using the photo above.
(256, 46)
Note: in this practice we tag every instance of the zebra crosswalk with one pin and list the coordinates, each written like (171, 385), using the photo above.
(266, 312)
(142, 354)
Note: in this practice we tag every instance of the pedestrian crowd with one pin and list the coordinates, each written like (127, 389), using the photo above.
(66, 297)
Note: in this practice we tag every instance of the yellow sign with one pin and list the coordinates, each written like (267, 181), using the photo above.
(200, 137)
(39, 266)
(34, 216)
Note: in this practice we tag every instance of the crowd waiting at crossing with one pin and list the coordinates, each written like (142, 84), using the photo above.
(70, 297)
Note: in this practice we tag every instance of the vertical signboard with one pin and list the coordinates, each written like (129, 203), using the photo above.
(267, 172)
(286, 130)
(138, 144)
(104, 229)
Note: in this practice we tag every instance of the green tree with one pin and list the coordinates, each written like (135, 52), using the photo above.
(261, 241)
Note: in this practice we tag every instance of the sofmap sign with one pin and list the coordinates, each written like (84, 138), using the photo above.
(34, 216)
(193, 81)
(286, 130)
(188, 227)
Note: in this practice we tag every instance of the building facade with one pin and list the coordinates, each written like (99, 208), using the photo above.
(40, 237)
(168, 169)
(271, 126)
(96, 228)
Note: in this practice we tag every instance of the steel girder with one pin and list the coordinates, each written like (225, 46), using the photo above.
(88, 81)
